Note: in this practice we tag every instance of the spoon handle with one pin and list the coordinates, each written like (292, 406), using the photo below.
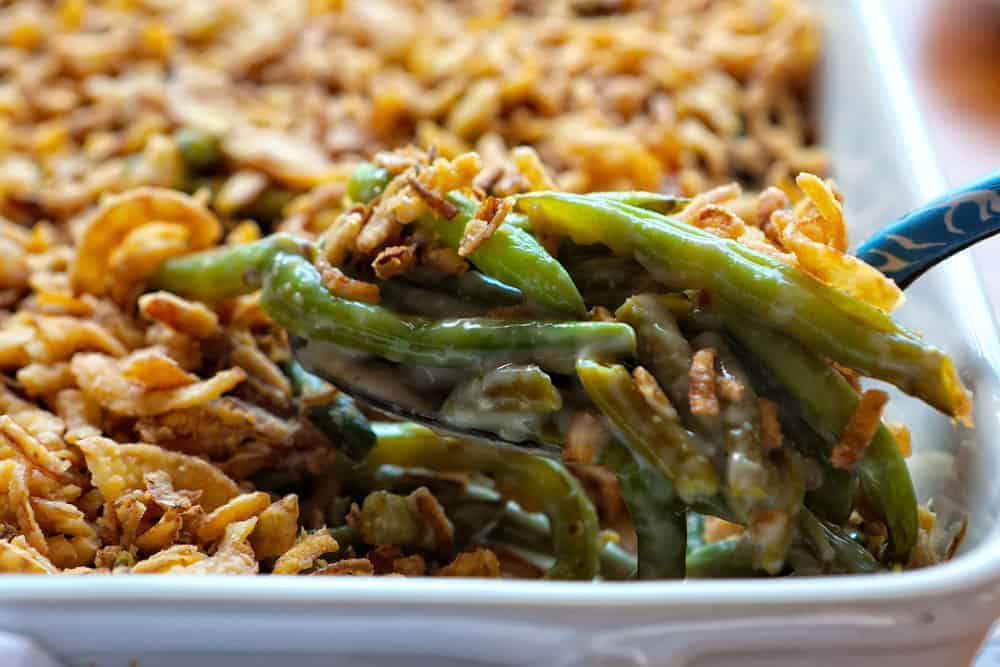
(931, 234)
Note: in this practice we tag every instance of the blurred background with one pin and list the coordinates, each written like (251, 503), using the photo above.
(951, 49)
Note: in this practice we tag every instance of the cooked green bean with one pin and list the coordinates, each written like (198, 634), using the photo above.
(834, 324)
(662, 348)
(819, 549)
(513, 256)
(367, 182)
(340, 420)
(831, 547)
(214, 275)
(833, 498)
(608, 280)
(512, 401)
(678, 453)
(540, 480)
(388, 519)
(766, 492)
(269, 206)
(294, 296)
(828, 402)
(726, 559)
(651, 201)
(531, 531)
(657, 513)
(409, 299)
(695, 527)
(199, 148)
(472, 287)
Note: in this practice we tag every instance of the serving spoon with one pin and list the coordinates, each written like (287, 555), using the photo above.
(903, 250)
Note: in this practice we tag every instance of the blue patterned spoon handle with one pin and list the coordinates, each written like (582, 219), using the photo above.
(931, 234)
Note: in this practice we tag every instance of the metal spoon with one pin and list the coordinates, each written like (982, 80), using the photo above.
(903, 251)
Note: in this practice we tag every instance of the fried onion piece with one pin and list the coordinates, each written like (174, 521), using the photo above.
(102, 379)
(844, 272)
(62, 337)
(718, 195)
(484, 224)
(281, 155)
(60, 517)
(40, 379)
(530, 166)
(901, 434)
(142, 251)
(822, 196)
(160, 535)
(653, 394)
(354, 567)
(771, 436)
(429, 508)
(701, 376)
(19, 557)
(187, 317)
(860, 430)
(729, 388)
(716, 529)
(394, 260)
(234, 555)
(117, 469)
(116, 218)
(481, 563)
(20, 500)
(34, 452)
(155, 370)
(240, 508)
(304, 553)
(172, 560)
(277, 527)
(344, 286)
(217, 429)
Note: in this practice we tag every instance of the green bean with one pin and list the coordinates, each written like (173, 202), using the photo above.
(819, 549)
(481, 513)
(512, 401)
(651, 201)
(767, 491)
(471, 286)
(657, 513)
(833, 324)
(726, 559)
(678, 453)
(662, 348)
(340, 420)
(608, 280)
(388, 519)
(833, 499)
(695, 528)
(269, 206)
(222, 273)
(543, 481)
(827, 402)
(199, 149)
(294, 296)
(833, 548)
(409, 299)
(367, 182)
(616, 564)
(345, 536)
(513, 256)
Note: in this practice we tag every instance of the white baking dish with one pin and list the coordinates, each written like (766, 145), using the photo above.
(929, 618)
